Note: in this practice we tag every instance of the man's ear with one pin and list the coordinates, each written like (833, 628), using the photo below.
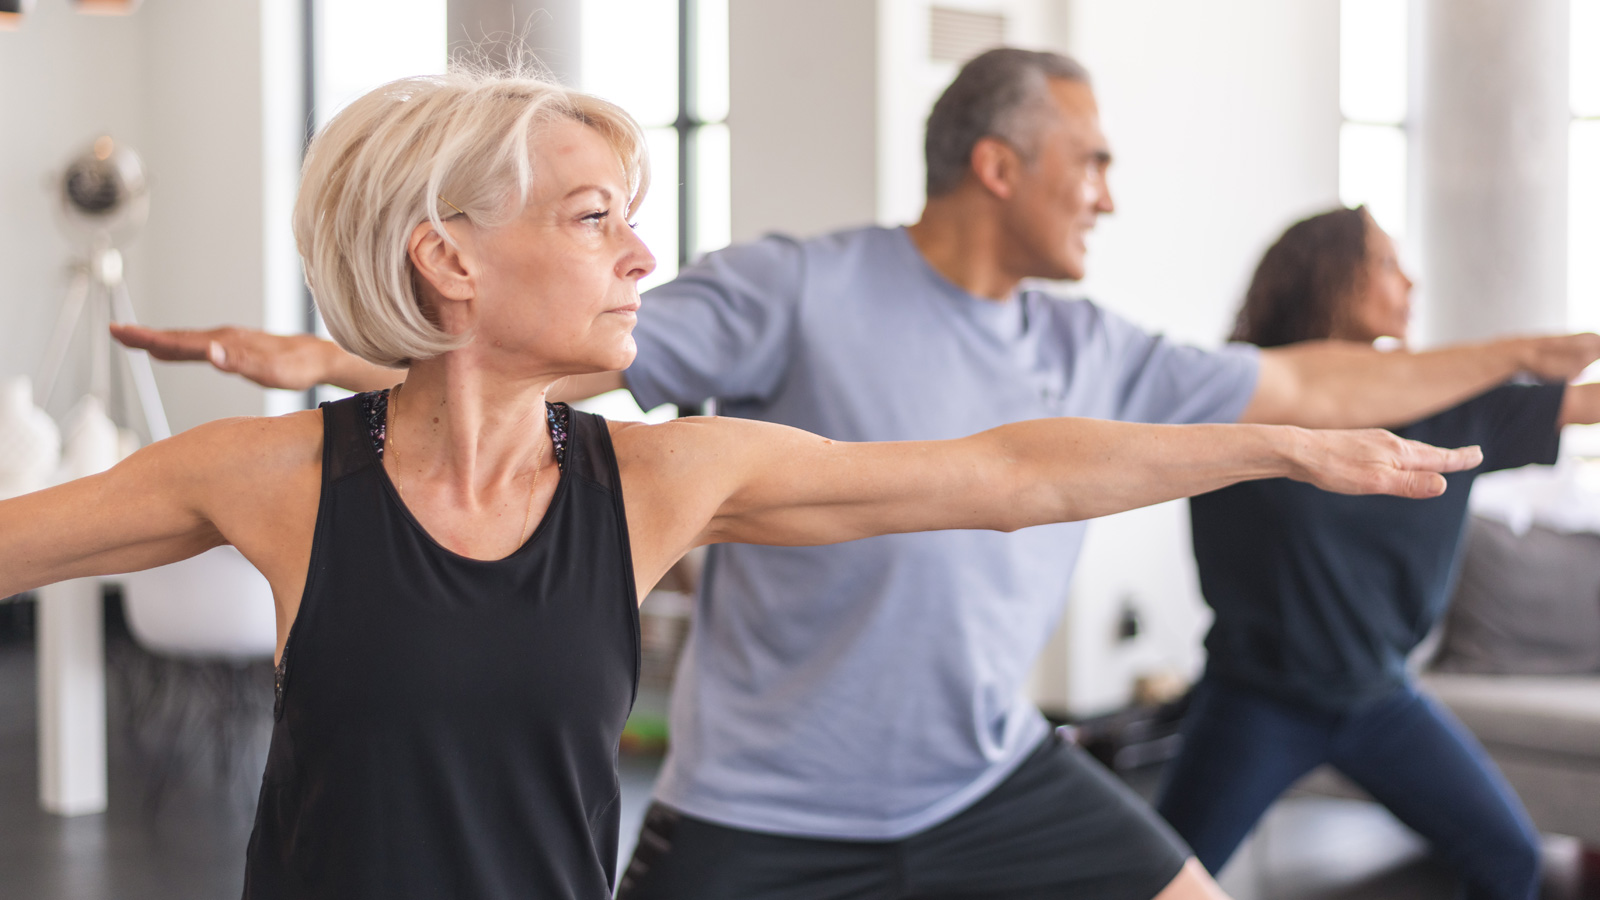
(440, 263)
(995, 164)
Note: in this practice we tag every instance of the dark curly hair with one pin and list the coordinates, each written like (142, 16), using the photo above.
(1304, 278)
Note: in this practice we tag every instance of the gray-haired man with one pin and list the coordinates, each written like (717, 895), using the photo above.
(849, 721)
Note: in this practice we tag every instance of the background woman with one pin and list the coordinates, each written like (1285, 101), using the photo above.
(457, 565)
(1320, 598)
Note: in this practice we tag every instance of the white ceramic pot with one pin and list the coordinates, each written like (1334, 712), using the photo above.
(92, 442)
(30, 443)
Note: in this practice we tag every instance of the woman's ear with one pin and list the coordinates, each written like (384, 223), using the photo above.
(440, 264)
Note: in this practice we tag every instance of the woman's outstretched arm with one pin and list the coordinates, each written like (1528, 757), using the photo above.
(227, 481)
(1581, 404)
(754, 482)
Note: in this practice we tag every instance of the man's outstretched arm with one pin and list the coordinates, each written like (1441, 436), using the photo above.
(294, 362)
(298, 362)
(1341, 384)
(1317, 384)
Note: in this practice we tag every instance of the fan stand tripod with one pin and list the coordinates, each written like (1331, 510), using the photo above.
(98, 294)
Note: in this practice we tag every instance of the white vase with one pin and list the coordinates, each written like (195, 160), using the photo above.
(92, 443)
(30, 443)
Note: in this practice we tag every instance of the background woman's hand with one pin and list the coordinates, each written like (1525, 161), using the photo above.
(1374, 461)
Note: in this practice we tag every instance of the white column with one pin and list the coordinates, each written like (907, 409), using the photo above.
(549, 29)
(1491, 110)
(72, 698)
(71, 648)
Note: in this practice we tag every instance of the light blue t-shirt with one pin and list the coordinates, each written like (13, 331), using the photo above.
(872, 689)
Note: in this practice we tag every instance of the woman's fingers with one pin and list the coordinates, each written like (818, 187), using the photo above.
(1374, 461)
(1417, 485)
(1439, 459)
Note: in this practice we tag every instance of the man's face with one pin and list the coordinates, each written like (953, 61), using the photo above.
(1060, 194)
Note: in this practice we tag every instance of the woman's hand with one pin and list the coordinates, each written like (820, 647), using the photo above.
(1374, 461)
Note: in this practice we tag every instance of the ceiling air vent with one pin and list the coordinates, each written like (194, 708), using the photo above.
(957, 35)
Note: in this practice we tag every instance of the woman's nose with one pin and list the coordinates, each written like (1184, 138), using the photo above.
(637, 261)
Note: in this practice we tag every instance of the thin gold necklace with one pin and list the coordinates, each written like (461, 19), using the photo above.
(399, 480)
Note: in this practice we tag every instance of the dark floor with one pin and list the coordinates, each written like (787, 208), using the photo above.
(172, 831)
(186, 840)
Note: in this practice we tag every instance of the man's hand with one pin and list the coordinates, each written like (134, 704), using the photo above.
(1561, 357)
(1374, 461)
(292, 361)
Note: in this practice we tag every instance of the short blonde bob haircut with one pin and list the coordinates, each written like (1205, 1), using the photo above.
(423, 150)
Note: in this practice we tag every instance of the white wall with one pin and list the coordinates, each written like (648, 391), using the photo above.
(803, 115)
(181, 81)
(206, 145)
(1224, 119)
(69, 78)
(828, 104)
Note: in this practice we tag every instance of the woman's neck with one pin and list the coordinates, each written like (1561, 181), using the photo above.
(453, 420)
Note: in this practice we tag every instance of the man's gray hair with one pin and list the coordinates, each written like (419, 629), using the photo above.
(1003, 93)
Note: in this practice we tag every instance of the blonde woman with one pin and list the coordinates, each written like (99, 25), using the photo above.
(457, 563)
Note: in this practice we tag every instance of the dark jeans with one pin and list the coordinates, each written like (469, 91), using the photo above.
(1061, 826)
(1241, 749)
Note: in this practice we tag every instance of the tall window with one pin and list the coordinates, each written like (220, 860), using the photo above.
(1372, 97)
(669, 67)
(1583, 184)
(1372, 142)
(357, 45)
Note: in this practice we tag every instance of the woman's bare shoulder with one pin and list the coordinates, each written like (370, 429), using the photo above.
(292, 433)
(637, 441)
(259, 448)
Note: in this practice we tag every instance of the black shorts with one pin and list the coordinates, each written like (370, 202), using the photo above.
(1061, 826)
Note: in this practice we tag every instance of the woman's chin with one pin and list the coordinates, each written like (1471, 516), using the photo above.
(624, 355)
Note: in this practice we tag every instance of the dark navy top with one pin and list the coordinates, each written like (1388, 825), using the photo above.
(447, 727)
(1319, 597)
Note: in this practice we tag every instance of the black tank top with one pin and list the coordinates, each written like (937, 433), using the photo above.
(447, 727)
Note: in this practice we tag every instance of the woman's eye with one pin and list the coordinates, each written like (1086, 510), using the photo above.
(633, 225)
(597, 217)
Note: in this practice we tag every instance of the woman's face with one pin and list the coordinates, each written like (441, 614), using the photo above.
(559, 285)
(1381, 303)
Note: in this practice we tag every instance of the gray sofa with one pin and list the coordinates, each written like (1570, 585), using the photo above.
(1544, 733)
